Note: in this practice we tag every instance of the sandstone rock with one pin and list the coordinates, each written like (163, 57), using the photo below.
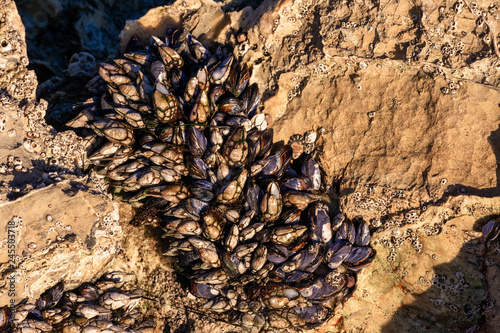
(407, 94)
(57, 222)
(203, 18)
(410, 141)
(15, 80)
(59, 233)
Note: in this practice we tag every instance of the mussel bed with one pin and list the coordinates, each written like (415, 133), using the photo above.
(104, 306)
(249, 220)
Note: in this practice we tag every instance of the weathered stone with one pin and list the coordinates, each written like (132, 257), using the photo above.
(408, 102)
(409, 128)
(57, 223)
(57, 232)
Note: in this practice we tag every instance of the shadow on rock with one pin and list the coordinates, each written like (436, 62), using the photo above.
(494, 141)
(457, 297)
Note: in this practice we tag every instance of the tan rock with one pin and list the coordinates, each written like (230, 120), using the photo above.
(202, 18)
(57, 233)
(56, 223)
(408, 100)
(404, 134)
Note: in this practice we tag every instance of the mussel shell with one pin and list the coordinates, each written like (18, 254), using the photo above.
(158, 71)
(362, 234)
(310, 169)
(296, 184)
(310, 257)
(88, 291)
(253, 195)
(232, 265)
(220, 73)
(202, 189)
(359, 257)
(337, 253)
(491, 230)
(242, 82)
(204, 290)
(291, 216)
(278, 163)
(51, 297)
(277, 253)
(313, 315)
(251, 99)
(237, 121)
(196, 167)
(195, 206)
(197, 141)
(265, 142)
(231, 105)
(320, 227)
(346, 231)
(297, 276)
(188, 259)
(324, 288)
(178, 79)
(215, 93)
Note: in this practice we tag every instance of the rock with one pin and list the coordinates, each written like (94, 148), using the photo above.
(410, 140)
(58, 223)
(407, 95)
(58, 232)
(202, 18)
(432, 288)
(15, 80)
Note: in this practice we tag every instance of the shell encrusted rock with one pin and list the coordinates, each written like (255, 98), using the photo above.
(177, 127)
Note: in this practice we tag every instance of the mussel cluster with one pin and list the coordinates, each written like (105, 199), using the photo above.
(104, 306)
(247, 219)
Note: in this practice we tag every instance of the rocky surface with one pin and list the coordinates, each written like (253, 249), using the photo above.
(72, 26)
(407, 94)
(60, 223)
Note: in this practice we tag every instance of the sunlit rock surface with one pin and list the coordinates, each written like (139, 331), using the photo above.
(407, 94)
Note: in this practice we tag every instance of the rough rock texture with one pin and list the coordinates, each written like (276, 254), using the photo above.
(408, 99)
(407, 94)
(60, 232)
(59, 222)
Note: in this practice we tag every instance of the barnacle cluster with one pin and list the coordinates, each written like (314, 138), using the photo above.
(105, 306)
(178, 127)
